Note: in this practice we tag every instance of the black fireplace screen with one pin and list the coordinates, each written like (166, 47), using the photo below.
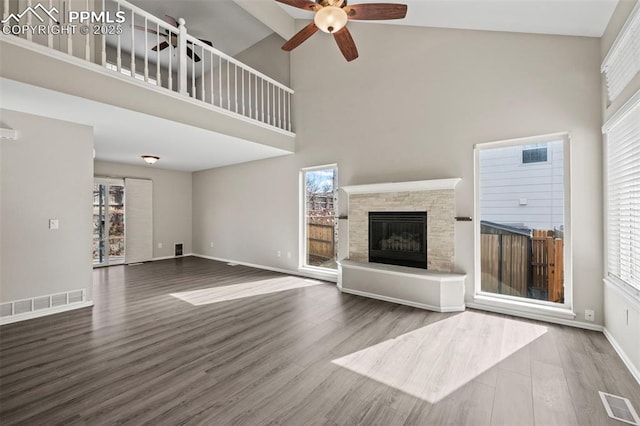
(398, 238)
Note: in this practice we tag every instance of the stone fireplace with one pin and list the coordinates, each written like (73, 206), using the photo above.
(400, 242)
(436, 198)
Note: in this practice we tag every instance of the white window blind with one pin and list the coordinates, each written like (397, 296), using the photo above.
(623, 194)
(622, 62)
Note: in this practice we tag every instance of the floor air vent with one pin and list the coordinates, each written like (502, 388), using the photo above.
(619, 408)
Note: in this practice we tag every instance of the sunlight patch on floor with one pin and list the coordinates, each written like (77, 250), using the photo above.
(209, 295)
(433, 361)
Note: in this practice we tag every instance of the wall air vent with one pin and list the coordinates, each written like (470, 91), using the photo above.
(18, 310)
(41, 303)
(76, 296)
(178, 249)
(59, 299)
(619, 408)
(6, 309)
(22, 306)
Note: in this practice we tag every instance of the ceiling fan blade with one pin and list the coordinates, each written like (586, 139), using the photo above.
(300, 37)
(161, 46)
(376, 11)
(170, 20)
(346, 44)
(149, 30)
(206, 42)
(302, 4)
(191, 54)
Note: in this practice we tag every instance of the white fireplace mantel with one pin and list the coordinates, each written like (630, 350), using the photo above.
(418, 185)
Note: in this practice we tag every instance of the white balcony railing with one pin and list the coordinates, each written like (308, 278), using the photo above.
(125, 39)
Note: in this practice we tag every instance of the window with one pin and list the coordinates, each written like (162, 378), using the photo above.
(319, 231)
(522, 234)
(534, 155)
(623, 194)
(622, 62)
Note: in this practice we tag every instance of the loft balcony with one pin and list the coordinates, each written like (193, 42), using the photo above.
(130, 65)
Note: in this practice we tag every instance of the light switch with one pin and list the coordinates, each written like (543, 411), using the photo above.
(54, 224)
(523, 201)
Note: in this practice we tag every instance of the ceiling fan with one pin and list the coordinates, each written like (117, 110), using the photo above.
(331, 16)
(172, 38)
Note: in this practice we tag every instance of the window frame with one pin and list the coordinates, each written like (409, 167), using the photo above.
(522, 304)
(302, 229)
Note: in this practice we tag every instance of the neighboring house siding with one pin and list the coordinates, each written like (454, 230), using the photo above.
(517, 193)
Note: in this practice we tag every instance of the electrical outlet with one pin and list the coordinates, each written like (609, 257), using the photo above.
(211, 244)
(160, 245)
(589, 315)
(289, 255)
(278, 253)
(54, 224)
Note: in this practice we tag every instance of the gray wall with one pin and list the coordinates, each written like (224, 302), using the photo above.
(267, 57)
(172, 202)
(410, 108)
(39, 184)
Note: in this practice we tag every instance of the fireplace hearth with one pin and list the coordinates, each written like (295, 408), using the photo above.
(398, 238)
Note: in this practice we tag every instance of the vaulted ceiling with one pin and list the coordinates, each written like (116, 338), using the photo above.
(234, 25)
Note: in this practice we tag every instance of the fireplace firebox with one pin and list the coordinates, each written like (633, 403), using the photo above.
(398, 238)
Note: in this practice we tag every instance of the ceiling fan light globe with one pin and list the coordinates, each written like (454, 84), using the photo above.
(330, 19)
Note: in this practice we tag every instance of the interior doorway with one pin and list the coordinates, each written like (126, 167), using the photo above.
(108, 222)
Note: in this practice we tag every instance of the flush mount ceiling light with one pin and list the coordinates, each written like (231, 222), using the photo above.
(331, 16)
(150, 159)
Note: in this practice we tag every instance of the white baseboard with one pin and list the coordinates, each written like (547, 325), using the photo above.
(635, 372)
(155, 259)
(170, 257)
(44, 312)
(403, 302)
(534, 316)
(303, 273)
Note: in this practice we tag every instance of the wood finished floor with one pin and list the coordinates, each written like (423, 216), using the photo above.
(143, 356)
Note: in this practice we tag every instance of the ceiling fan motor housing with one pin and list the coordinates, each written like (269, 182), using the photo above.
(337, 3)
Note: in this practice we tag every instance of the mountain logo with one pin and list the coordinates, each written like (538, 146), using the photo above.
(39, 11)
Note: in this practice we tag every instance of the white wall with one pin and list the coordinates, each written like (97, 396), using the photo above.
(622, 312)
(172, 203)
(46, 174)
(411, 107)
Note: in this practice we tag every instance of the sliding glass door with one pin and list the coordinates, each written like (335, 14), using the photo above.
(108, 222)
